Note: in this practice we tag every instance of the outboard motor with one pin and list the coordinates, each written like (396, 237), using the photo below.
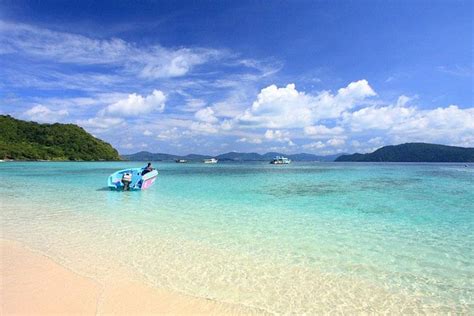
(126, 180)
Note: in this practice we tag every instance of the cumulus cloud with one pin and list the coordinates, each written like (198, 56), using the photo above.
(278, 136)
(279, 107)
(289, 108)
(41, 113)
(206, 115)
(374, 117)
(135, 104)
(401, 123)
(450, 123)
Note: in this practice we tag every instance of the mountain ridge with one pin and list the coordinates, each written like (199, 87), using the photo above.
(414, 152)
(229, 156)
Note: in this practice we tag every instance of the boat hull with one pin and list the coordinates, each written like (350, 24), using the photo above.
(138, 182)
(210, 161)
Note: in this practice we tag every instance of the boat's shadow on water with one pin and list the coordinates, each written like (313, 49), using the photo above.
(104, 189)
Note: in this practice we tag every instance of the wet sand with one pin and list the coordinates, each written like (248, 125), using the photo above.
(32, 283)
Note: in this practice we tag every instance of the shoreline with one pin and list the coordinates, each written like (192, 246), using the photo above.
(33, 283)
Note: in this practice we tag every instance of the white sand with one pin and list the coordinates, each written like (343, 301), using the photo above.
(33, 284)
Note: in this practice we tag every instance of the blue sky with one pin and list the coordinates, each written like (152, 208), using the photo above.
(210, 77)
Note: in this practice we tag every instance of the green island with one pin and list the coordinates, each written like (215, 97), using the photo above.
(414, 152)
(23, 140)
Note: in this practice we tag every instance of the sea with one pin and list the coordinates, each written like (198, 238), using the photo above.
(304, 238)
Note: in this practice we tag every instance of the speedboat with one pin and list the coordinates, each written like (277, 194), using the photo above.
(210, 160)
(181, 161)
(131, 179)
(280, 160)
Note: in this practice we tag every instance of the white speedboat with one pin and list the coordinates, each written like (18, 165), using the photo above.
(280, 160)
(210, 160)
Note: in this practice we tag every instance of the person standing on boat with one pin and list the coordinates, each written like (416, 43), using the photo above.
(126, 180)
(147, 169)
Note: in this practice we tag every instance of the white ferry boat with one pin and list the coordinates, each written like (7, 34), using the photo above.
(210, 160)
(280, 160)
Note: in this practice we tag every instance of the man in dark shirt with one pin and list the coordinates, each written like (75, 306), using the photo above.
(147, 169)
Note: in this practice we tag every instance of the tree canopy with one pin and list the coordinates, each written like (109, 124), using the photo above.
(23, 140)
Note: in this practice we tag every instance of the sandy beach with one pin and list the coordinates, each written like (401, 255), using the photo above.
(32, 283)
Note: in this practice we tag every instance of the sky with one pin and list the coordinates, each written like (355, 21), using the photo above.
(210, 77)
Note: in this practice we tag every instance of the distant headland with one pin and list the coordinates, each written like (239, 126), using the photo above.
(414, 152)
(23, 140)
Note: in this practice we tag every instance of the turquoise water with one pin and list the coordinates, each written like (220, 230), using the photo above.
(301, 238)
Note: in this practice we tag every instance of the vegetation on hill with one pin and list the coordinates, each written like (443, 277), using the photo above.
(415, 152)
(23, 140)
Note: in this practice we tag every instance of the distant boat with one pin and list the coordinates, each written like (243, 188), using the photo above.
(210, 160)
(280, 160)
(131, 178)
(181, 161)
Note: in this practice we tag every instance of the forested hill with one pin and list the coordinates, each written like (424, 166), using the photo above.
(415, 152)
(23, 140)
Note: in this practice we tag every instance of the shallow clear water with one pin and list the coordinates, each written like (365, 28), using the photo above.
(301, 238)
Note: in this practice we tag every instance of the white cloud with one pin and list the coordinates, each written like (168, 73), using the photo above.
(101, 123)
(279, 107)
(193, 105)
(400, 124)
(206, 115)
(250, 140)
(374, 117)
(41, 113)
(315, 145)
(403, 100)
(448, 124)
(135, 104)
(170, 134)
(203, 128)
(287, 107)
(149, 62)
(227, 125)
(322, 131)
(278, 136)
(147, 133)
(457, 70)
(336, 142)
(378, 141)
(175, 63)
